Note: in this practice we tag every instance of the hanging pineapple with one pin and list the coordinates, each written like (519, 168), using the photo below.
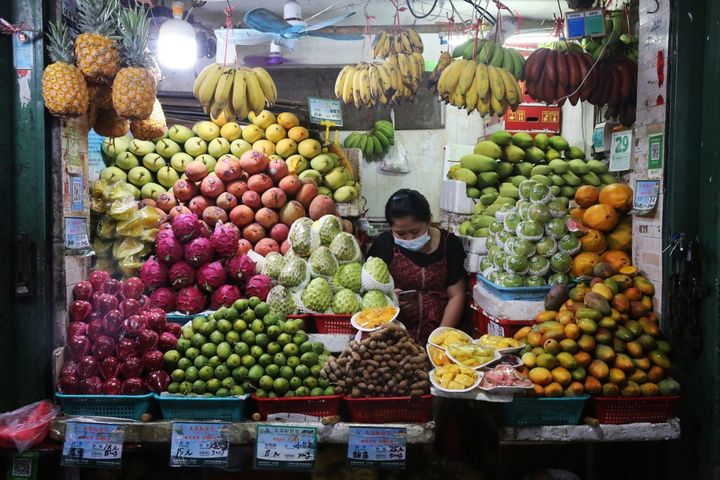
(152, 127)
(63, 84)
(95, 47)
(108, 124)
(135, 87)
(100, 95)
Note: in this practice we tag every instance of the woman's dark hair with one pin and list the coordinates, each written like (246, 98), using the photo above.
(407, 203)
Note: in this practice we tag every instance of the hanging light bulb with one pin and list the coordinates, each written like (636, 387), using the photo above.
(177, 47)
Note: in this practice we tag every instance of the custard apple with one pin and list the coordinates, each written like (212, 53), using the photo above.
(345, 302)
(345, 248)
(377, 269)
(317, 296)
(322, 262)
(280, 301)
(349, 276)
(374, 299)
(302, 238)
(327, 228)
(273, 265)
(293, 273)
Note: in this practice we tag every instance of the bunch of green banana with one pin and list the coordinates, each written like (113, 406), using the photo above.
(234, 92)
(374, 143)
(390, 82)
(405, 41)
(475, 86)
(489, 53)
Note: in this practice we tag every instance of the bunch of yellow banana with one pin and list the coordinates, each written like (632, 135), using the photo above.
(475, 86)
(405, 41)
(369, 84)
(234, 91)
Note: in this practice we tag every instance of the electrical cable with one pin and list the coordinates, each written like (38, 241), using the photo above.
(420, 17)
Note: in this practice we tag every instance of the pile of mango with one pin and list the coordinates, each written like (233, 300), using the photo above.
(497, 167)
(600, 338)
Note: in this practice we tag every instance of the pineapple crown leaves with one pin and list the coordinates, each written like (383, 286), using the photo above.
(60, 46)
(98, 16)
(135, 37)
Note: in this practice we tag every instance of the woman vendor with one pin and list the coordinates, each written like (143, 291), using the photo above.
(426, 264)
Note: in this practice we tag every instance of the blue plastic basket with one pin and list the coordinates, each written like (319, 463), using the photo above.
(180, 407)
(533, 294)
(116, 406)
(530, 412)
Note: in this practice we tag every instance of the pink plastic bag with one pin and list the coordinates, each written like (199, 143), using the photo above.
(27, 426)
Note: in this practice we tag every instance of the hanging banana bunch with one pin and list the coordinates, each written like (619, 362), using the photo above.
(405, 41)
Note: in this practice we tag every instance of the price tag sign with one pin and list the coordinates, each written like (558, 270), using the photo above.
(645, 197)
(656, 142)
(325, 109)
(285, 447)
(199, 444)
(93, 445)
(585, 23)
(377, 447)
(621, 151)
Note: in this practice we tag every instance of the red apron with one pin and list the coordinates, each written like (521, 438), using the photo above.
(431, 285)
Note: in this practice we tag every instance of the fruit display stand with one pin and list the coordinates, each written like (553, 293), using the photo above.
(355, 208)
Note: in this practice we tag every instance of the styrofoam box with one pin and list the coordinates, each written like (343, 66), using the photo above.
(453, 197)
(451, 221)
(505, 309)
(472, 262)
(474, 244)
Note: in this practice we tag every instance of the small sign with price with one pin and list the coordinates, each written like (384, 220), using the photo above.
(377, 447)
(285, 447)
(199, 444)
(621, 151)
(325, 109)
(93, 445)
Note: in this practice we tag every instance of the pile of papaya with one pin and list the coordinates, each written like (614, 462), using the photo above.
(601, 338)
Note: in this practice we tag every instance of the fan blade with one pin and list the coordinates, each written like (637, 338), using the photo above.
(327, 23)
(244, 36)
(263, 60)
(336, 36)
(263, 20)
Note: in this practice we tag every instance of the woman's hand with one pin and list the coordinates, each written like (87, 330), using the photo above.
(408, 303)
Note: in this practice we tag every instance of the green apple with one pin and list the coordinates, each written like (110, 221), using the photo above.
(239, 146)
(113, 174)
(134, 190)
(218, 147)
(151, 190)
(180, 160)
(141, 147)
(139, 176)
(126, 161)
(113, 146)
(167, 148)
(167, 176)
(195, 146)
(206, 130)
(208, 160)
(153, 162)
(179, 133)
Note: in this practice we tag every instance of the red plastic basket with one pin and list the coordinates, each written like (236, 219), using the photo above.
(483, 323)
(307, 319)
(339, 324)
(390, 409)
(622, 410)
(325, 406)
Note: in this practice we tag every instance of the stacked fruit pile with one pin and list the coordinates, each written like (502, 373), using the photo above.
(488, 52)
(376, 142)
(323, 272)
(497, 167)
(529, 244)
(606, 226)
(243, 349)
(600, 338)
(405, 41)
(116, 81)
(115, 339)
(193, 267)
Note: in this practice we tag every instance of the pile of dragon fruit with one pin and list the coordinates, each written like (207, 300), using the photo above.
(116, 339)
(194, 269)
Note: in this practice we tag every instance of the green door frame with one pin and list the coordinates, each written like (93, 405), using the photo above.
(691, 206)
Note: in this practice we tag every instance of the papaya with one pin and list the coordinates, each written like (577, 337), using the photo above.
(583, 359)
(584, 263)
(616, 258)
(598, 369)
(577, 213)
(575, 389)
(586, 196)
(617, 196)
(617, 376)
(592, 385)
(600, 217)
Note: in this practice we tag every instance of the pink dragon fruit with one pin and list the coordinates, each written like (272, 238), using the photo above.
(190, 300)
(225, 239)
(258, 286)
(186, 226)
(133, 287)
(168, 250)
(204, 230)
(199, 252)
(165, 230)
(210, 276)
(225, 296)
(181, 275)
(163, 298)
(240, 268)
(153, 274)
(97, 278)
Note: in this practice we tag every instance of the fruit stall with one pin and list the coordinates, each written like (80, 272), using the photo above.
(217, 302)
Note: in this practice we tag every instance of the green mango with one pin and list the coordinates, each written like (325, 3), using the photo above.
(466, 228)
(541, 170)
(555, 190)
(534, 155)
(578, 167)
(596, 166)
(487, 179)
(551, 154)
(478, 163)
(559, 143)
(473, 193)
(502, 138)
(542, 141)
(571, 179)
(559, 166)
(489, 149)
(504, 169)
(465, 175)
(567, 191)
(488, 198)
(524, 169)
(576, 153)
(509, 190)
(591, 179)
(522, 140)
(517, 180)
(542, 179)
(513, 154)
(489, 190)
(557, 180)
(607, 178)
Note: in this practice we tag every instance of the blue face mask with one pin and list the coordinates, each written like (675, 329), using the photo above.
(415, 244)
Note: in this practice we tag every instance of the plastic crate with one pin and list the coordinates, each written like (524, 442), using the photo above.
(178, 407)
(390, 409)
(338, 324)
(634, 409)
(529, 412)
(325, 406)
(307, 318)
(115, 406)
(517, 293)
(485, 324)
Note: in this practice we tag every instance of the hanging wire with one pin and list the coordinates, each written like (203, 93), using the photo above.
(420, 17)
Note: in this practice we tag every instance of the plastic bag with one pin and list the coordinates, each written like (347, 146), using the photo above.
(397, 160)
(27, 426)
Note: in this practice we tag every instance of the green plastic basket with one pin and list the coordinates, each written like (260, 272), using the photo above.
(179, 407)
(530, 412)
(115, 406)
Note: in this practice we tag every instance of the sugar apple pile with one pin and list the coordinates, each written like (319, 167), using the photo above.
(529, 244)
(322, 262)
